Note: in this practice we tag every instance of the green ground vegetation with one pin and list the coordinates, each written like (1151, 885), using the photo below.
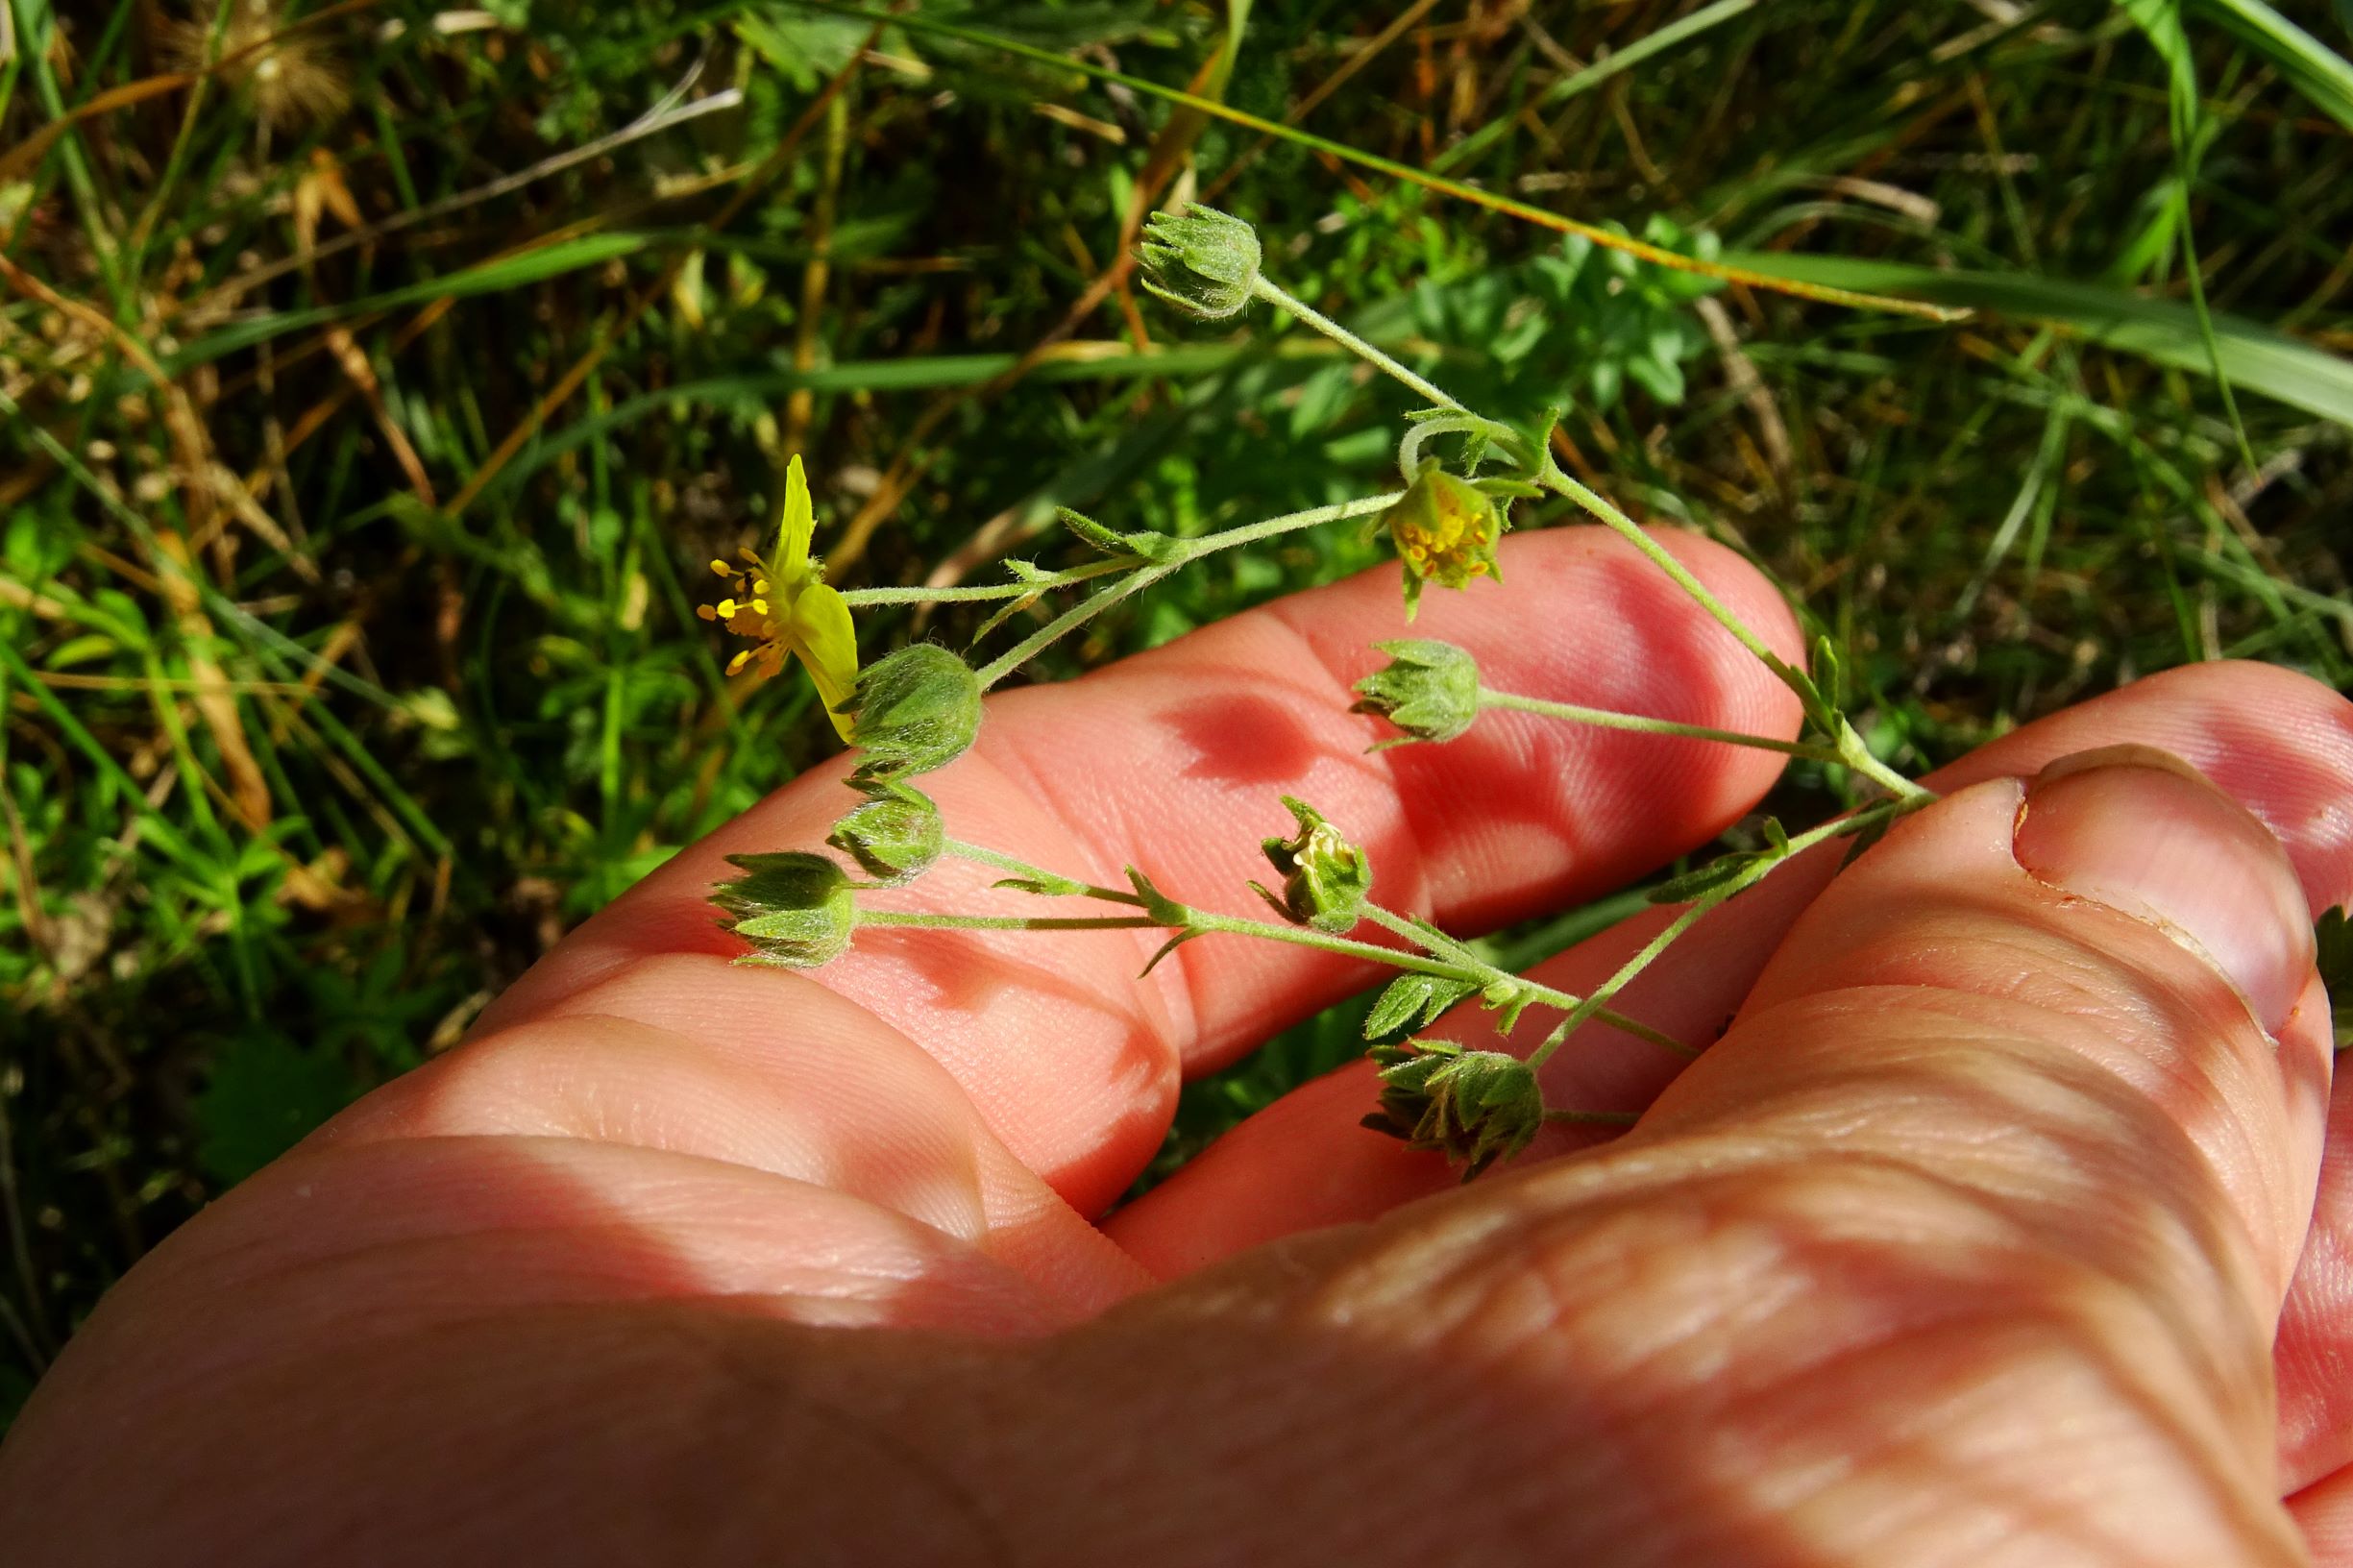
(376, 380)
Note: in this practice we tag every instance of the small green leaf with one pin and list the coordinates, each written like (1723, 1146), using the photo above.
(1414, 1001)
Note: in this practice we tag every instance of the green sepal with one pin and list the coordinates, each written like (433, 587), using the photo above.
(896, 835)
(1203, 261)
(1325, 879)
(796, 909)
(1429, 689)
(1473, 1106)
(912, 711)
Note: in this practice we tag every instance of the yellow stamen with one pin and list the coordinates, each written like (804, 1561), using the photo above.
(723, 569)
(759, 606)
(735, 666)
(706, 612)
(726, 606)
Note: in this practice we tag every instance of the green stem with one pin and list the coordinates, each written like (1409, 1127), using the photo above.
(983, 593)
(1837, 828)
(1004, 923)
(1070, 621)
(1185, 551)
(1275, 294)
(958, 849)
(1850, 750)
(1607, 719)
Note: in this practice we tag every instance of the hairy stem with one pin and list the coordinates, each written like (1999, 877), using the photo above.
(1145, 577)
(1607, 719)
(1861, 822)
(958, 849)
(1004, 923)
(1275, 294)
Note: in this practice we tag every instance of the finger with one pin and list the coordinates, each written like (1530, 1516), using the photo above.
(2316, 1332)
(1172, 761)
(1974, 1228)
(2324, 1516)
(2279, 743)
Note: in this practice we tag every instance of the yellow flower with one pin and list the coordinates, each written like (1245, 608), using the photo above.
(1445, 533)
(781, 601)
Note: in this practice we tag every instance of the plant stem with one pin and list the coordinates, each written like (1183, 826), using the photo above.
(1275, 294)
(1851, 752)
(999, 861)
(1607, 719)
(983, 593)
(1070, 621)
(1839, 827)
(1004, 923)
(1145, 577)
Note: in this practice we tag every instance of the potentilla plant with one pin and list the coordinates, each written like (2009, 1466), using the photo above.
(915, 710)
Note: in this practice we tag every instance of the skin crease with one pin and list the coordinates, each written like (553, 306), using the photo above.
(1966, 1244)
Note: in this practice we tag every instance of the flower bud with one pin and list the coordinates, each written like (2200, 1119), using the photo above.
(1325, 878)
(1473, 1106)
(895, 835)
(795, 909)
(1445, 530)
(1430, 690)
(912, 712)
(1203, 262)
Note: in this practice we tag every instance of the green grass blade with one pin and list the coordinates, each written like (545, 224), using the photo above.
(490, 278)
(1657, 256)
(1594, 75)
(2251, 354)
(2318, 72)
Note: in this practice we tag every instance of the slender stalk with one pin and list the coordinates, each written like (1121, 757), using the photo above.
(982, 594)
(1070, 621)
(1607, 719)
(1850, 752)
(1839, 827)
(958, 849)
(1185, 551)
(1440, 944)
(1275, 294)
(1004, 923)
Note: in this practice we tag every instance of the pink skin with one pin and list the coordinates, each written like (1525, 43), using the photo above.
(2017, 1134)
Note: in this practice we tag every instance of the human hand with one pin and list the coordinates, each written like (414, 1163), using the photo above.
(1966, 1242)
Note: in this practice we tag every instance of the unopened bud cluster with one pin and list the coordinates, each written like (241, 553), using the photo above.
(1429, 689)
(1475, 1106)
(1325, 878)
(1203, 261)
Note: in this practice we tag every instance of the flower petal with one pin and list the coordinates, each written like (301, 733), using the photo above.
(821, 635)
(796, 527)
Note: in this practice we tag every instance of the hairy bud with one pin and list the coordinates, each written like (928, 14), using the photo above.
(1430, 690)
(1203, 262)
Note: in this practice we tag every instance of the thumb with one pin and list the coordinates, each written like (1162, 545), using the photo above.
(1966, 1244)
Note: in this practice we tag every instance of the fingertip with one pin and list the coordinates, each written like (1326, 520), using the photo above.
(2140, 830)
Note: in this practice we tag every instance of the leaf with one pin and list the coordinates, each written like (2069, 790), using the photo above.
(1414, 1002)
(2253, 355)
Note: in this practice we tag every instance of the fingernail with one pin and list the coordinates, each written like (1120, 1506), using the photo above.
(2143, 831)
